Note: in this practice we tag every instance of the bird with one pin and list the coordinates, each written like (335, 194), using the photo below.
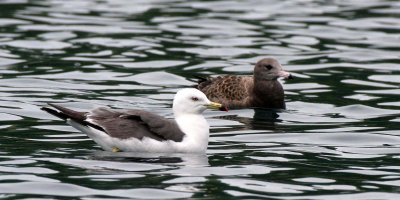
(262, 89)
(134, 130)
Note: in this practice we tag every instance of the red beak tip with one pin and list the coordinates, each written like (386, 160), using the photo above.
(224, 108)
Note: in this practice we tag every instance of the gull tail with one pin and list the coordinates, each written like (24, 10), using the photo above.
(66, 114)
(200, 79)
(202, 82)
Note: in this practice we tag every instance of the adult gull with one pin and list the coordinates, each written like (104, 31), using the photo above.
(142, 131)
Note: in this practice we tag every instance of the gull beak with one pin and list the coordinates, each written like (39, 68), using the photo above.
(216, 106)
(285, 75)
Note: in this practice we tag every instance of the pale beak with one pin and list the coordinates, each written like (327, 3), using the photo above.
(216, 106)
(285, 74)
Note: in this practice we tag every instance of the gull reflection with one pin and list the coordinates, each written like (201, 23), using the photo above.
(154, 158)
(255, 119)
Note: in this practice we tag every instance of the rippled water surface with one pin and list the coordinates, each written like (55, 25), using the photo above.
(338, 139)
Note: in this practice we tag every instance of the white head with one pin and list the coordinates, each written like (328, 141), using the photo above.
(192, 101)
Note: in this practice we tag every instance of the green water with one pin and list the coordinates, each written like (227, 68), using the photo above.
(338, 138)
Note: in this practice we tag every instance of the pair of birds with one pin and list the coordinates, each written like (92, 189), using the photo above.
(142, 131)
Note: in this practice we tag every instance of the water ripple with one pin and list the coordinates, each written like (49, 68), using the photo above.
(338, 138)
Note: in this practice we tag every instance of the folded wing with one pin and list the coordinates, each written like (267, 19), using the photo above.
(123, 124)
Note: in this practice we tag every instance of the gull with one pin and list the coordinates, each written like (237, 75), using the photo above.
(262, 89)
(133, 130)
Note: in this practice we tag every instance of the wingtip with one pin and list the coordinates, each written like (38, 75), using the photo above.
(44, 108)
(54, 113)
(52, 105)
(200, 77)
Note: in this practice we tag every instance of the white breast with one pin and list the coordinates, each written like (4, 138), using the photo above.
(196, 131)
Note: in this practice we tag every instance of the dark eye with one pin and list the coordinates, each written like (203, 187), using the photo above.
(269, 67)
(195, 99)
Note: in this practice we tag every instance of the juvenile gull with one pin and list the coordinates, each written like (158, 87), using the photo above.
(262, 89)
(142, 131)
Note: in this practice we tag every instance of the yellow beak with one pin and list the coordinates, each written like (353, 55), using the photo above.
(216, 106)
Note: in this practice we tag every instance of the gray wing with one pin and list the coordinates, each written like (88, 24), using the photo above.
(139, 124)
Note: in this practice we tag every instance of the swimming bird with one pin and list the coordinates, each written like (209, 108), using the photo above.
(142, 131)
(262, 89)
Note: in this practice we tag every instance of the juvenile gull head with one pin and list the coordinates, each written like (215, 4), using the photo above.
(270, 69)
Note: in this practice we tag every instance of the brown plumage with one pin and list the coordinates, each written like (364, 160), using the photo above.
(262, 89)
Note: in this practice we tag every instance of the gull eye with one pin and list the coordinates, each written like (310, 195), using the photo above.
(195, 99)
(269, 67)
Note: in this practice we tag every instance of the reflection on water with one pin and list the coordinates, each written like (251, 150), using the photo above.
(338, 139)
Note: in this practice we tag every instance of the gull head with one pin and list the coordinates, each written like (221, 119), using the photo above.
(193, 101)
(270, 69)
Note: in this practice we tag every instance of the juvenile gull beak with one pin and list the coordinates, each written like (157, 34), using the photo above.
(285, 75)
(216, 106)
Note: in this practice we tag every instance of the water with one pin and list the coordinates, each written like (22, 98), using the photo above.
(338, 139)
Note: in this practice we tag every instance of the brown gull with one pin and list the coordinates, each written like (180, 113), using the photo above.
(142, 131)
(262, 89)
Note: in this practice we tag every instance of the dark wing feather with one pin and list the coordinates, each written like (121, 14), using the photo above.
(78, 116)
(65, 113)
(123, 124)
(135, 123)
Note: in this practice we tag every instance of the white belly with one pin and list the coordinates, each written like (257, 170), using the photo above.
(191, 143)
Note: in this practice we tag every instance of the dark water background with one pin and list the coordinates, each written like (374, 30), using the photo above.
(338, 139)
